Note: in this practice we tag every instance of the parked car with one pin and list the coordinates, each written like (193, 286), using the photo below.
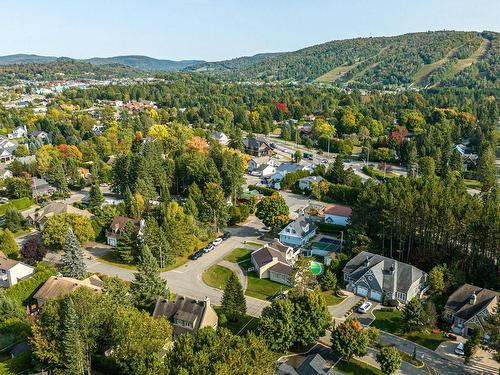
(308, 156)
(272, 145)
(4, 200)
(460, 349)
(196, 255)
(278, 295)
(217, 241)
(208, 248)
(226, 235)
(365, 307)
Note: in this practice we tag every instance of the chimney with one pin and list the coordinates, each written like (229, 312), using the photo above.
(473, 299)
(367, 261)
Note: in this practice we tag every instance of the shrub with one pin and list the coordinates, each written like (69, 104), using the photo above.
(262, 189)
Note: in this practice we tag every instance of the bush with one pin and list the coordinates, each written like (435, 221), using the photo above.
(263, 190)
(329, 228)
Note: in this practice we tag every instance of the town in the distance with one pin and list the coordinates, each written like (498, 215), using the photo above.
(333, 210)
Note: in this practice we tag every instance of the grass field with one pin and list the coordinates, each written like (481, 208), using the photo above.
(262, 288)
(335, 73)
(472, 184)
(461, 64)
(216, 276)
(355, 367)
(20, 204)
(238, 255)
(331, 298)
(245, 324)
(392, 322)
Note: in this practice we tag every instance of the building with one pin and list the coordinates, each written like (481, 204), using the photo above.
(116, 228)
(40, 187)
(275, 261)
(18, 132)
(186, 314)
(257, 146)
(264, 171)
(255, 163)
(285, 168)
(4, 172)
(56, 287)
(298, 232)
(306, 183)
(221, 138)
(380, 278)
(39, 218)
(12, 271)
(40, 136)
(468, 308)
(337, 214)
(313, 364)
(7, 150)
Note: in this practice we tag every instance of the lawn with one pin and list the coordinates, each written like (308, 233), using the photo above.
(355, 367)
(262, 288)
(472, 184)
(331, 298)
(216, 276)
(392, 322)
(20, 204)
(245, 324)
(238, 255)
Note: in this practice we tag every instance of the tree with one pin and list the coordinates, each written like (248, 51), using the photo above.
(72, 261)
(273, 211)
(33, 251)
(486, 169)
(8, 244)
(349, 339)
(302, 277)
(73, 354)
(328, 280)
(436, 279)
(127, 243)
(214, 208)
(277, 326)
(492, 327)
(311, 315)
(13, 220)
(96, 199)
(148, 285)
(22, 150)
(470, 347)
(57, 177)
(413, 315)
(233, 299)
(18, 187)
(54, 231)
(389, 360)
(336, 173)
(427, 166)
(137, 206)
(297, 156)
(430, 316)
(157, 242)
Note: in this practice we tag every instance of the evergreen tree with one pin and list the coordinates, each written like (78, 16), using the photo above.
(413, 315)
(126, 247)
(486, 169)
(233, 299)
(72, 346)
(157, 241)
(8, 244)
(148, 285)
(328, 280)
(72, 261)
(336, 173)
(96, 199)
(56, 176)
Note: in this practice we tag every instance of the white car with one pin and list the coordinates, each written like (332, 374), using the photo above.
(365, 307)
(208, 248)
(217, 242)
(460, 349)
(4, 200)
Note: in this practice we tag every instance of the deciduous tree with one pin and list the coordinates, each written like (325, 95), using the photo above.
(389, 360)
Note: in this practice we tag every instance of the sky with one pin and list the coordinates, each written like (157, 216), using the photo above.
(220, 29)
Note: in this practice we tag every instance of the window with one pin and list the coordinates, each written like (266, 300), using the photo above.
(401, 296)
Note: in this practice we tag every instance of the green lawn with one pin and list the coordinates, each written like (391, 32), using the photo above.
(472, 184)
(262, 288)
(331, 298)
(245, 324)
(216, 276)
(20, 204)
(355, 367)
(392, 322)
(238, 255)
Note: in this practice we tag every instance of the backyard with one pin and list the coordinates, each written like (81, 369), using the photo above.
(20, 204)
(245, 324)
(331, 298)
(392, 322)
(263, 288)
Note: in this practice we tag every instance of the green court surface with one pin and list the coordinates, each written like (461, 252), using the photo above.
(316, 268)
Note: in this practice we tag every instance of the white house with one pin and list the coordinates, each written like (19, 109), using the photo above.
(221, 138)
(18, 132)
(336, 214)
(298, 232)
(264, 170)
(11, 271)
(305, 183)
(4, 172)
(285, 168)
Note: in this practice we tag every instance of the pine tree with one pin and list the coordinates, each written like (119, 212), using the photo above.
(413, 315)
(96, 199)
(126, 247)
(148, 285)
(155, 238)
(72, 261)
(336, 173)
(57, 177)
(71, 342)
(233, 299)
(328, 280)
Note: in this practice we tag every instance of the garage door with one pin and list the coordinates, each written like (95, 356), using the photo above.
(376, 296)
(362, 291)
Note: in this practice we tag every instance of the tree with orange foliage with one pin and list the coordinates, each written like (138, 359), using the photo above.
(350, 339)
(198, 144)
(69, 151)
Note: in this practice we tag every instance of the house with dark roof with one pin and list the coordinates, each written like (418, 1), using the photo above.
(380, 278)
(313, 364)
(12, 271)
(306, 183)
(275, 261)
(298, 232)
(257, 146)
(186, 314)
(116, 228)
(468, 307)
(337, 214)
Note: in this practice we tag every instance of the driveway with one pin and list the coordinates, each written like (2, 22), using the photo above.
(338, 311)
(483, 362)
(367, 318)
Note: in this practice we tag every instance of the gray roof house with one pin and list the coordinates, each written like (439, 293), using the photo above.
(257, 146)
(298, 232)
(41, 187)
(275, 261)
(313, 364)
(468, 307)
(380, 278)
(7, 149)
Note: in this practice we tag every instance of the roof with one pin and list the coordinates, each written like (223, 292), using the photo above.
(282, 268)
(7, 263)
(255, 143)
(302, 226)
(389, 273)
(311, 179)
(265, 255)
(56, 208)
(459, 301)
(119, 222)
(219, 135)
(289, 167)
(56, 287)
(338, 210)
(315, 365)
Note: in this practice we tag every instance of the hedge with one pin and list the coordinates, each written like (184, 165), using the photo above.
(342, 193)
(329, 228)
(262, 189)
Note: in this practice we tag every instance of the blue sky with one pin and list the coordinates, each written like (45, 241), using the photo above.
(220, 29)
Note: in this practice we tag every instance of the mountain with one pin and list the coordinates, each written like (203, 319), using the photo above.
(233, 64)
(25, 59)
(428, 59)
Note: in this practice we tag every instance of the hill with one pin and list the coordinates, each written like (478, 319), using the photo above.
(233, 64)
(25, 59)
(421, 59)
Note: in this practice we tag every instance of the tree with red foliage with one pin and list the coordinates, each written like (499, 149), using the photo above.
(399, 134)
(33, 251)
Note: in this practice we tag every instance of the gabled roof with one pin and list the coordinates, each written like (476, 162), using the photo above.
(56, 208)
(119, 222)
(302, 226)
(338, 210)
(7, 263)
(289, 167)
(311, 179)
(265, 255)
(459, 301)
(56, 287)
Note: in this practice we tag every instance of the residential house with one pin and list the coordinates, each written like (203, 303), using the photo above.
(380, 278)
(247, 196)
(337, 214)
(469, 158)
(186, 314)
(306, 183)
(40, 187)
(298, 232)
(18, 132)
(4, 172)
(12, 271)
(257, 146)
(7, 150)
(469, 307)
(56, 287)
(313, 364)
(40, 136)
(116, 228)
(40, 217)
(221, 138)
(285, 168)
(275, 261)
(264, 171)
(255, 163)
(26, 160)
